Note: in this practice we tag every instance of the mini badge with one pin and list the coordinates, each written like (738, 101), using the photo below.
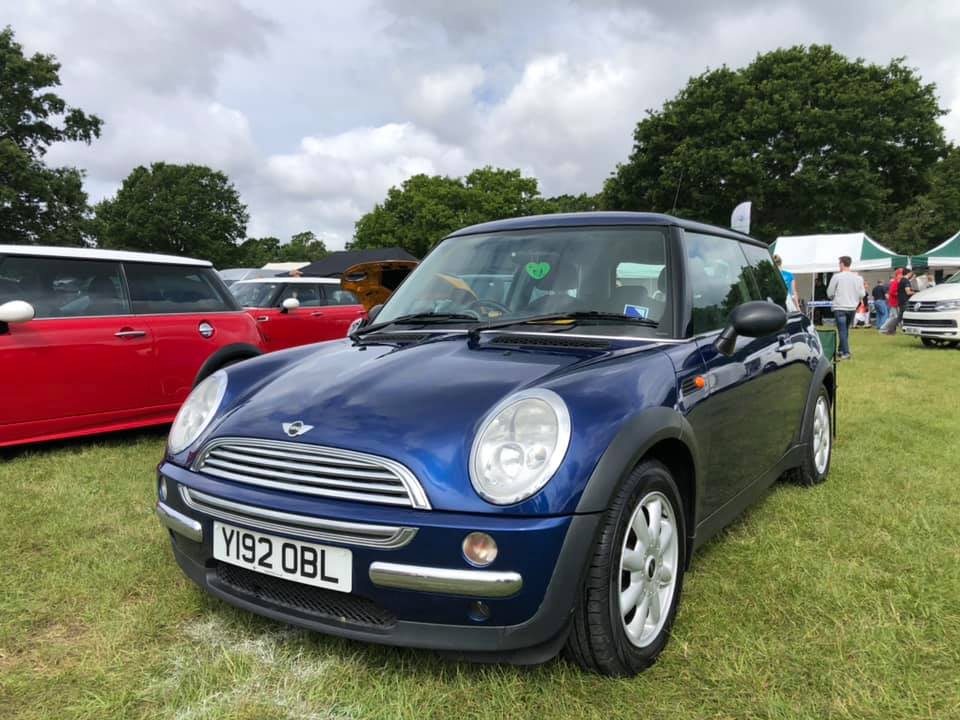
(296, 428)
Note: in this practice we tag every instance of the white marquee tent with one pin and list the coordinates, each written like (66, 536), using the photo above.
(807, 254)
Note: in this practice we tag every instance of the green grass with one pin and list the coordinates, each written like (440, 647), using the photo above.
(840, 601)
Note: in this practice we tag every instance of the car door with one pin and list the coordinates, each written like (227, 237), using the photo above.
(190, 317)
(315, 320)
(796, 357)
(284, 328)
(339, 309)
(83, 361)
(742, 416)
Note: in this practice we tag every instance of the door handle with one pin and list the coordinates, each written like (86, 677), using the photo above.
(317, 313)
(263, 318)
(130, 333)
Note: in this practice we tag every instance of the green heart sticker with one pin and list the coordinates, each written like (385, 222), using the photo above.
(538, 271)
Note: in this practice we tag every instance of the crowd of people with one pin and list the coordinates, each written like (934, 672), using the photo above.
(851, 297)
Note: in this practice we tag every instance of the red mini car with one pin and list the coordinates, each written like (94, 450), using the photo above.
(298, 310)
(100, 340)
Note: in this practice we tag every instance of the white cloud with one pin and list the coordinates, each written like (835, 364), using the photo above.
(185, 129)
(560, 118)
(443, 101)
(364, 162)
(316, 109)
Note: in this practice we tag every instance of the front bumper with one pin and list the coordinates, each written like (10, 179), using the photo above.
(939, 324)
(419, 591)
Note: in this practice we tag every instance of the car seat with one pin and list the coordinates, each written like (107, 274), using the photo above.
(104, 297)
(554, 289)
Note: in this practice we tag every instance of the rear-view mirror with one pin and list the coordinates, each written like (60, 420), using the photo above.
(752, 319)
(289, 304)
(15, 311)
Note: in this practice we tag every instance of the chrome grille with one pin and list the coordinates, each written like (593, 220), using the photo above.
(312, 470)
(930, 322)
(924, 306)
(387, 537)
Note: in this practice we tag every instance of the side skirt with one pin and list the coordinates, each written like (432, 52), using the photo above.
(726, 514)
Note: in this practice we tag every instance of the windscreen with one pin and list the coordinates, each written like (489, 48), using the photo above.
(520, 274)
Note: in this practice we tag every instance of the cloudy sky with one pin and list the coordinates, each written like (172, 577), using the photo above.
(315, 108)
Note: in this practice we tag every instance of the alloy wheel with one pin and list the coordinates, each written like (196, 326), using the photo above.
(821, 435)
(648, 569)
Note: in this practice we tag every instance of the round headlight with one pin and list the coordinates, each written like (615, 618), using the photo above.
(197, 412)
(520, 446)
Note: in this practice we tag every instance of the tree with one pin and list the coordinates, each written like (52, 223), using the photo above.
(425, 208)
(177, 209)
(568, 204)
(257, 252)
(932, 217)
(38, 204)
(304, 246)
(818, 143)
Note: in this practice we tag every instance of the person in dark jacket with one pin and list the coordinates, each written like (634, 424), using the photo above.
(879, 294)
(904, 291)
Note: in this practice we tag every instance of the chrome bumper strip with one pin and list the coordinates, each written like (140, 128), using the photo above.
(179, 523)
(468, 583)
(386, 537)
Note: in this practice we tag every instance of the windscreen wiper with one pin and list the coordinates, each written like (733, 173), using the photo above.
(574, 316)
(422, 317)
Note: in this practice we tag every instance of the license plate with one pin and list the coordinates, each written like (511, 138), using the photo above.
(307, 563)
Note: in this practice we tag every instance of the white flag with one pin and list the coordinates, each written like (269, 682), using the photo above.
(740, 220)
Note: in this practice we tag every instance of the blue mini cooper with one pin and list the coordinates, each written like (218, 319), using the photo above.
(517, 454)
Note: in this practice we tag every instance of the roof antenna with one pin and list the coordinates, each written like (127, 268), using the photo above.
(677, 195)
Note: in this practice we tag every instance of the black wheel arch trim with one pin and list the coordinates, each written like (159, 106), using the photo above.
(635, 439)
(226, 354)
(821, 374)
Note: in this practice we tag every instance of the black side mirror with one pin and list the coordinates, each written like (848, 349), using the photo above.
(752, 319)
(372, 315)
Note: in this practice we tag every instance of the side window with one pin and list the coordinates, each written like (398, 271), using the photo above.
(336, 296)
(720, 278)
(769, 280)
(308, 295)
(644, 284)
(169, 289)
(63, 288)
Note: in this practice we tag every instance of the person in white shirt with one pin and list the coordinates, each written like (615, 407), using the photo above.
(845, 290)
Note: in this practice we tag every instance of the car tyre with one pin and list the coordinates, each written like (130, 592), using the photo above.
(207, 372)
(819, 447)
(629, 597)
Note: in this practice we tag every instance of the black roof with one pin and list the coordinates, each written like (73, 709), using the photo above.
(601, 218)
(336, 263)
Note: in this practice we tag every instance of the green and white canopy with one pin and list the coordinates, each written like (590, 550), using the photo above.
(946, 254)
(820, 253)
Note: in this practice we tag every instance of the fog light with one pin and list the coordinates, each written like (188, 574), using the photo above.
(479, 611)
(479, 549)
(162, 488)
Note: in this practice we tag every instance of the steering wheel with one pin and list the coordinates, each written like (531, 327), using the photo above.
(482, 307)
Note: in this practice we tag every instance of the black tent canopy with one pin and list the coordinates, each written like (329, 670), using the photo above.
(334, 264)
